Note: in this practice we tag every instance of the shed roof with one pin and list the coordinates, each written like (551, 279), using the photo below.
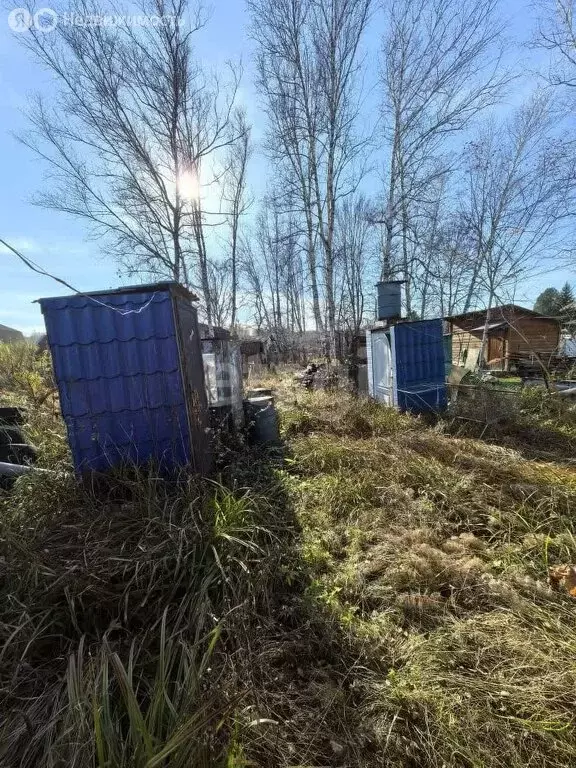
(492, 326)
(213, 332)
(249, 347)
(166, 285)
(500, 309)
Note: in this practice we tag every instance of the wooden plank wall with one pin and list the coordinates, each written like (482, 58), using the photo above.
(541, 336)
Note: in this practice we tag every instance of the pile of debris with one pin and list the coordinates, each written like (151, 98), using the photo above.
(321, 376)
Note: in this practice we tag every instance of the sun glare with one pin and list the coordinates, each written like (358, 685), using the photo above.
(188, 185)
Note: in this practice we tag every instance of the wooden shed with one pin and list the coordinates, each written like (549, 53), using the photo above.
(253, 353)
(515, 335)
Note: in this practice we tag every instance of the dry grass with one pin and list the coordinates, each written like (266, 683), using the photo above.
(436, 550)
(533, 422)
(377, 596)
(101, 663)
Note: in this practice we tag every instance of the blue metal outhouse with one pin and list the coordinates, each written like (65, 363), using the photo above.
(128, 366)
(406, 367)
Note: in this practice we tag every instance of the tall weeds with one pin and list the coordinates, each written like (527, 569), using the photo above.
(375, 596)
(111, 622)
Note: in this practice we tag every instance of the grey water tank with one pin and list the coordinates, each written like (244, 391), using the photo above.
(262, 420)
(389, 300)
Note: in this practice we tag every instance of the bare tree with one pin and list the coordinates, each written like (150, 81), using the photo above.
(443, 269)
(221, 291)
(134, 122)
(557, 33)
(254, 284)
(337, 32)
(236, 197)
(452, 273)
(355, 248)
(308, 62)
(288, 79)
(514, 198)
(274, 274)
(441, 66)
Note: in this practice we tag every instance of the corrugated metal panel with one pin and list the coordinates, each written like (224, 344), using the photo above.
(117, 364)
(419, 365)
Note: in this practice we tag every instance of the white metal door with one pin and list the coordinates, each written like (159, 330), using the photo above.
(382, 368)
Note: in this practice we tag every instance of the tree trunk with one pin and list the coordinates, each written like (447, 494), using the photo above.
(234, 272)
(387, 271)
(311, 258)
(203, 262)
(485, 332)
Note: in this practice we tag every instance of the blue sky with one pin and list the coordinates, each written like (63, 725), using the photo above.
(58, 242)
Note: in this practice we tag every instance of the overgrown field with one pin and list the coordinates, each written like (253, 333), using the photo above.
(373, 593)
(434, 552)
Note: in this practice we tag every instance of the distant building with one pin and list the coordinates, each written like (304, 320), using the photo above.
(514, 334)
(10, 335)
(253, 353)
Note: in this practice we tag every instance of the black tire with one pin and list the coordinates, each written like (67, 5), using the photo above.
(11, 416)
(11, 435)
(21, 453)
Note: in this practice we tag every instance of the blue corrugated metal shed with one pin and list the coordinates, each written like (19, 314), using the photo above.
(420, 377)
(125, 362)
(409, 371)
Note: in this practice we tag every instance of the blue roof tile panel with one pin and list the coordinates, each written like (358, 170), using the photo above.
(117, 365)
(114, 358)
(102, 319)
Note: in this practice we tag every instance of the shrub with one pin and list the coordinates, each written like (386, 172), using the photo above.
(26, 372)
